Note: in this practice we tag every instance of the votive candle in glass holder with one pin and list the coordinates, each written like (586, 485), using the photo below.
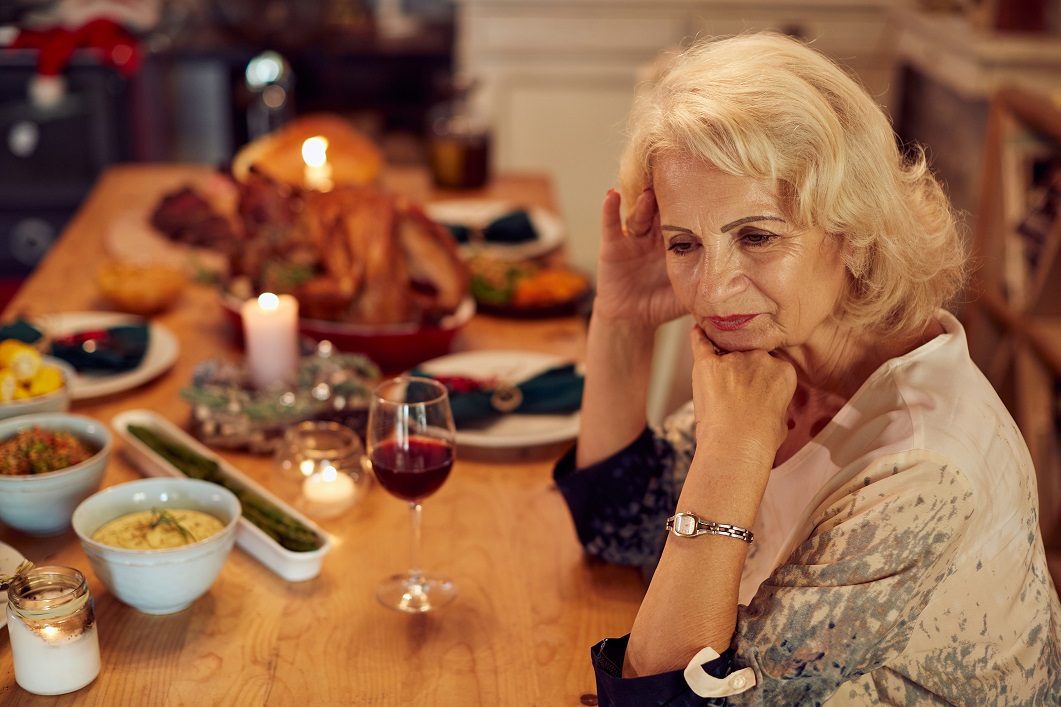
(270, 338)
(52, 625)
(319, 469)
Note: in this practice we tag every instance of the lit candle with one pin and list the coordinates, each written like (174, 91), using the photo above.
(52, 627)
(318, 173)
(270, 336)
(328, 492)
(53, 661)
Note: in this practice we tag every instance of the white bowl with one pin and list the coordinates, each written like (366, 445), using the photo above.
(42, 504)
(56, 401)
(158, 581)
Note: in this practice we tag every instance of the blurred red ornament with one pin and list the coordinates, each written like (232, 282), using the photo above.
(115, 46)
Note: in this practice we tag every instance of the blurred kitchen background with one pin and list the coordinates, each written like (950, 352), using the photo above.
(193, 80)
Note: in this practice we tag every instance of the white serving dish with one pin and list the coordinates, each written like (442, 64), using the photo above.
(292, 566)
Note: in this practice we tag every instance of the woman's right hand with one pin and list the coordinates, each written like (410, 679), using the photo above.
(634, 297)
(632, 282)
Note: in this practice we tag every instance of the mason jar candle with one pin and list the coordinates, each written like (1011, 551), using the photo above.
(52, 626)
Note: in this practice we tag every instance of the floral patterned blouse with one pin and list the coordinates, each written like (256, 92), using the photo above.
(897, 557)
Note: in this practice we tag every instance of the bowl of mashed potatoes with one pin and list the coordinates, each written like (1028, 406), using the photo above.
(158, 544)
(49, 463)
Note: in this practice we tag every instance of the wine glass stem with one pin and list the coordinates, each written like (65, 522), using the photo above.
(416, 569)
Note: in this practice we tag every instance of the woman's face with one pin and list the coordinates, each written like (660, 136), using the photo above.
(750, 279)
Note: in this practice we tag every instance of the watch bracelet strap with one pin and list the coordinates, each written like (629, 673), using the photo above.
(708, 527)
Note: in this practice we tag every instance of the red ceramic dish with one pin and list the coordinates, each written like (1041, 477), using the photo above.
(393, 348)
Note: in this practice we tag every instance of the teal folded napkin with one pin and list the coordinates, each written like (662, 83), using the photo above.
(475, 403)
(20, 330)
(514, 227)
(115, 349)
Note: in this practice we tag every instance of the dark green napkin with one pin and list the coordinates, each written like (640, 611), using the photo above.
(515, 227)
(114, 349)
(475, 403)
(20, 330)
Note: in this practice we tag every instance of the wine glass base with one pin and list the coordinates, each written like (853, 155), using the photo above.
(415, 594)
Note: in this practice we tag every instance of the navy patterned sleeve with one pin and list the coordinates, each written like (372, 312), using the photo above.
(620, 505)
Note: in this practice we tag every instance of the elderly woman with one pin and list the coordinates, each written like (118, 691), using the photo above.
(845, 513)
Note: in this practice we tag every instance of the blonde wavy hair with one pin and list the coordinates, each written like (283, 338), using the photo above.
(766, 106)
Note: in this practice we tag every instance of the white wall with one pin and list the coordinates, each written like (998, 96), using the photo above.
(558, 79)
(558, 76)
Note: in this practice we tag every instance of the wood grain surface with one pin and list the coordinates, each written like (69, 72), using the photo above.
(530, 604)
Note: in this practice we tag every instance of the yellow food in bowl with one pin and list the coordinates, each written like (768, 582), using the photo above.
(140, 288)
(21, 359)
(45, 380)
(158, 529)
(23, 374)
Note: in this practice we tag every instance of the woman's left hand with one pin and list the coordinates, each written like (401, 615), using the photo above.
(740, 399)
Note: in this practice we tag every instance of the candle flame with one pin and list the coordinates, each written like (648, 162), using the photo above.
(267, 300)
(329, 474)
(315, 151)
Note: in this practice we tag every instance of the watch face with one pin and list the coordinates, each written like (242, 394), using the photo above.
(685, 524)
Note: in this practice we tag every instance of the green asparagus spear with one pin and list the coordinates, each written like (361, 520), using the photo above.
(287, 531)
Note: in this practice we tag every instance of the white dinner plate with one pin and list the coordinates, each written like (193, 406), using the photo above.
(510, 366)
(477, 213)
(162, 351)
(10, 559)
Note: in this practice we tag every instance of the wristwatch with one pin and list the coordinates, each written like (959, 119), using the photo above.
(690, 525)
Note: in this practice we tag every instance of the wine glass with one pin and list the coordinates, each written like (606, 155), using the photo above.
(411, 443)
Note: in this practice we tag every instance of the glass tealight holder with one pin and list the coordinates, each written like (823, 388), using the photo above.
(52, 626)
(319, 468)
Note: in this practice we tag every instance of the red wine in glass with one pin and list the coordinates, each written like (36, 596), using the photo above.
(411, 442)
(413, 470)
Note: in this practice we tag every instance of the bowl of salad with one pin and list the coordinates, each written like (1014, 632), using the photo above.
(527, 289)
(49, 463)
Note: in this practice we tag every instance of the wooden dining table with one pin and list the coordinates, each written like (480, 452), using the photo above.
(530, 602)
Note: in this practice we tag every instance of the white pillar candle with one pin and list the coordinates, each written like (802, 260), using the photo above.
(318, 173)
(270, 337)
(328, 492)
